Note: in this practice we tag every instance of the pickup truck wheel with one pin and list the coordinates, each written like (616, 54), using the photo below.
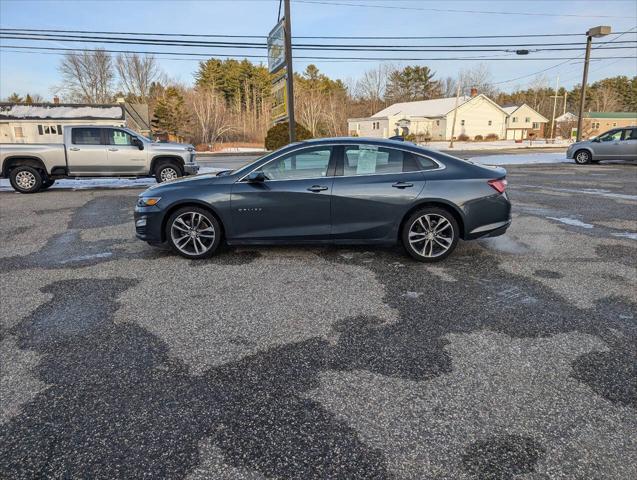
(25, 179)
(167, 171)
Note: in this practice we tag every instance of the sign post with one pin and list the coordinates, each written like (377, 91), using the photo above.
(280, 65)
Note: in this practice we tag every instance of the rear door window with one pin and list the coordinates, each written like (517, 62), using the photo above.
(375, 160)
(87, 136)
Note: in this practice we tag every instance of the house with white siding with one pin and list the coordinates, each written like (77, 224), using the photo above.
(475, 115)
(524, 122)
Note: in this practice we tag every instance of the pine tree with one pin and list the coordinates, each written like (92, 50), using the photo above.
(14, 98)
(28, 100)
(170, 115)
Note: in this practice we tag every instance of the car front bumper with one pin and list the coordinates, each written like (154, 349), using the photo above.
(149, 223)
(191, 169)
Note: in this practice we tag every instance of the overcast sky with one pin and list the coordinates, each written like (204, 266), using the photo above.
(37, 73)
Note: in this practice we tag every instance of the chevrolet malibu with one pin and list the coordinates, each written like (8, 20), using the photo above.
(331, 191)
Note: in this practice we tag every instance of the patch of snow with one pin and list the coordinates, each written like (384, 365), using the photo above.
(631, 235)
(504, 244)
(520, 159)
(242, 150)
(587, 191)
(495, 145)
(105, 182)
(571, 221)
(82, 258)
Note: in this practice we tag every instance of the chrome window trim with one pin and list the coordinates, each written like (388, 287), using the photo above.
(441, 166)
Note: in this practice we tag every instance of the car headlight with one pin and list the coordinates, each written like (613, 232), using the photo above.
(147, 201)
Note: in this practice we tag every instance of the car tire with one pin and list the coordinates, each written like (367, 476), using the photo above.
(582, 157)
(193, 232)
(47, 184)
(25, 179)
(166, 171)
(430, 234)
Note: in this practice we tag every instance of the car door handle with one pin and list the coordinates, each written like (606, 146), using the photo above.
(113, 149)
(74, 149)
(402, 185)
(317, 188)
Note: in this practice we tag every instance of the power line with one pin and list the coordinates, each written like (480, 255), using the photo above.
(335, 37)
(332, 47)
(449, 10)
(202, 56)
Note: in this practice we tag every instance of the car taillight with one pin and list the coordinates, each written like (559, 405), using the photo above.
(500, 184)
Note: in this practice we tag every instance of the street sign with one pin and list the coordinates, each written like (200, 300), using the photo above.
(276, 47)
(279, 110)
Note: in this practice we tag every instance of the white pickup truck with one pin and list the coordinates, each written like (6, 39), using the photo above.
(94, 151)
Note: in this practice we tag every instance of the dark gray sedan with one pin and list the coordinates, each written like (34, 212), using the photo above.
(331, 191)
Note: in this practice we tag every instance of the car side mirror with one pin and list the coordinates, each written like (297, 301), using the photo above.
(138, 143)
(256, 177)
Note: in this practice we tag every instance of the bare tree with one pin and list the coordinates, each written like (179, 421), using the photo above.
(210, 114)
(605, 99)
(88, 76)
(448, 87)
(477, 77)
(137, 73)
(373, 84)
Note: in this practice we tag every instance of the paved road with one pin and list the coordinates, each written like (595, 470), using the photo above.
(513, 359)
(236, 161)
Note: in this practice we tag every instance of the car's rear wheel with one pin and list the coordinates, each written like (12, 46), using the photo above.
(25, 179)
(167, 171)
(430, 234)
(582, 157)
(193, 232)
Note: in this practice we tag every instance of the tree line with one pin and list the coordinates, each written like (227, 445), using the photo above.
(230, 99)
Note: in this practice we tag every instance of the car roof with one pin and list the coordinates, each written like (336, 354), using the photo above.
(380, 141)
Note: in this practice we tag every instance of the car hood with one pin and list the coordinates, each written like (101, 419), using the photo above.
(185, 181)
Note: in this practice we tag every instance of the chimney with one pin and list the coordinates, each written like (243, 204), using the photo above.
(474, 92)
(56, 100)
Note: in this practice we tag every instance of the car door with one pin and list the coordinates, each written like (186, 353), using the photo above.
(86, 155)
(124, 158)
(608, 147)
(291, 203)
(628, 144)
(373, 188)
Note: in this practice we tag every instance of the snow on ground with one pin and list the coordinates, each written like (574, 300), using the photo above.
(241, 150)
(106, 182)
(520, 159)
(496, 145)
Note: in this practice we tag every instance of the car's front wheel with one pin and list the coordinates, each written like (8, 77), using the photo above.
(167, 171)
(193, 232)
(430, 234)
(582, 157)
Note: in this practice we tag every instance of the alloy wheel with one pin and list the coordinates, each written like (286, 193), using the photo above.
(168, 173)
(431, 235)
(25, 180)
(582, 157)
(192, 233)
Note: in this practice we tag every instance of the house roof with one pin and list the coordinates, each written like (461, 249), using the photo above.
(438, 107)
(566, 117)
(60, 111)
(610, 115)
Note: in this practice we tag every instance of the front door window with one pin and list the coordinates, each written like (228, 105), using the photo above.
(310, 163)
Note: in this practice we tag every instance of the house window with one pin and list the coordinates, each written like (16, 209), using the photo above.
(527, 119)
(437, 123)
(462, 122)
(614, 124)
(490, 122)
(19, 133)
(536, 126)
(59, 129)
(514, 120)
(595, 125)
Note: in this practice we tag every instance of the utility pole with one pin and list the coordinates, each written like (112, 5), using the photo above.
(596, 32)
(565, 94)
(555, 97)
(289, 71)
(455, 114)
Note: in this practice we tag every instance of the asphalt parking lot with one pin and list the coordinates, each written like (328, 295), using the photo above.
(514, 358)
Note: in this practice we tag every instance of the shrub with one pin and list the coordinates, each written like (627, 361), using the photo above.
(410, 137)
(492, 136)
(278, 136)
(463, 138)
(478, 138)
